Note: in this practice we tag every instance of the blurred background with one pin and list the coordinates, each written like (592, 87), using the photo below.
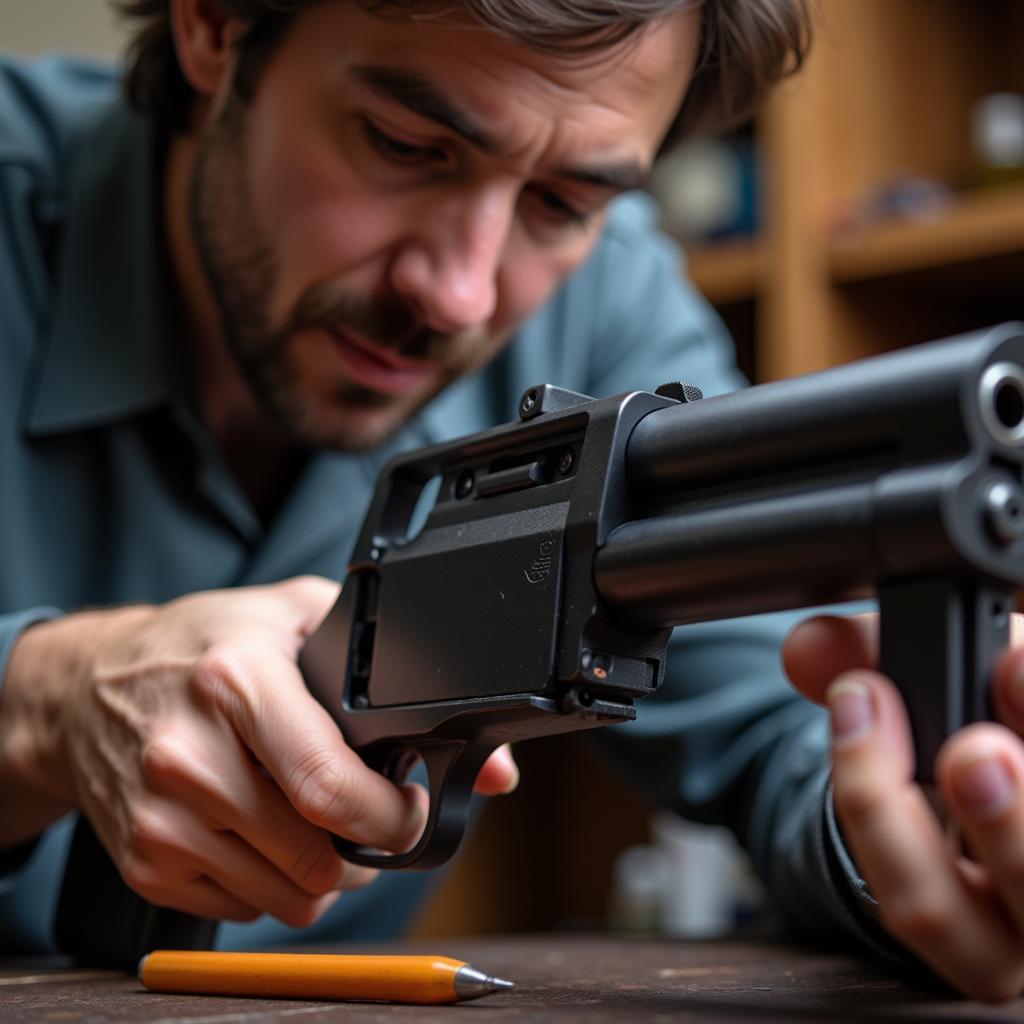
(877, 202)
(77, 26)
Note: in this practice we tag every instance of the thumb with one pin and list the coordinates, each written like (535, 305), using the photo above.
(872, 746)
(820, 649)
(310, 598)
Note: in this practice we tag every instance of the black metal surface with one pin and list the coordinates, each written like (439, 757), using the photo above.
(896, 475)
(899, 476)
(484, 628)
(544, 604)
(939, 640)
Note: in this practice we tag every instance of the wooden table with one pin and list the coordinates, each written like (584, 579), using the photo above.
(559, 978)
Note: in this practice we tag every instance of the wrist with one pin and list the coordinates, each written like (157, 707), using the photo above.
(47, 681)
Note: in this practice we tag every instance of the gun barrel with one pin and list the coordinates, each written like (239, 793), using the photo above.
(732, 558)
(902, 406)
(814, 490)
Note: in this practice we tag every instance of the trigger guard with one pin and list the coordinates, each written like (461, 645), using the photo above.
(452, 768)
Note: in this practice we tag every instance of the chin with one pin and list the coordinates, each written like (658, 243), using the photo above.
(349, 429)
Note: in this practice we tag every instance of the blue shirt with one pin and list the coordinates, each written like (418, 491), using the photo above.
(113, 492)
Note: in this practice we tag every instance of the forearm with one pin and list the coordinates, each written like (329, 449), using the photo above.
(46, 667)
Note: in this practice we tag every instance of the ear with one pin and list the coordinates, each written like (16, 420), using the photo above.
(203, 39)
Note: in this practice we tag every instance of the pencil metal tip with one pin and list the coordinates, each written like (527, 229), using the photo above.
(471, 983)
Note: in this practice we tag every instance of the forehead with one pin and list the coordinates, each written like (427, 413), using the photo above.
(627, 93)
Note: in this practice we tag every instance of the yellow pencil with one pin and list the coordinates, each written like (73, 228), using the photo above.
(392, 979)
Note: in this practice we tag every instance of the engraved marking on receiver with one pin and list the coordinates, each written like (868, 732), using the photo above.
(540, 568)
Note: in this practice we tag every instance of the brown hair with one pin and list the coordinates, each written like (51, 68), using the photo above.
(746, 46)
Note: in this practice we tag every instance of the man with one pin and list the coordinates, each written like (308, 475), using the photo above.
(341, 229)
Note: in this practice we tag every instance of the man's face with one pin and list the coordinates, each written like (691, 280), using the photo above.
(402, 192)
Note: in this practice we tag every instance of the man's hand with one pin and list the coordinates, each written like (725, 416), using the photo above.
(963, 916)
(186, 734)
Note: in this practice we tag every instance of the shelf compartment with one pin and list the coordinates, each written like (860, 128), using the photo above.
(978, 226)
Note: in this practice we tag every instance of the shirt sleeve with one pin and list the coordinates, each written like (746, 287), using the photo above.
(726, 740)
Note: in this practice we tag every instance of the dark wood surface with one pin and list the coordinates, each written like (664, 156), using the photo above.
(558, 978)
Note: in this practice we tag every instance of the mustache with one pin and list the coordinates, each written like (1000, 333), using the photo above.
(387, 322)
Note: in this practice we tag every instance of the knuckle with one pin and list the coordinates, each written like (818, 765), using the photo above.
(856, 803)
(142, 876)
(164, 760)
(323, 794)
(297, 911)
(219, 679)
(149, 834)
(317, 868)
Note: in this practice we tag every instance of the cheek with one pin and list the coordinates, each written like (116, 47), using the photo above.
(527, 280)
(340, 238)
(320, 221)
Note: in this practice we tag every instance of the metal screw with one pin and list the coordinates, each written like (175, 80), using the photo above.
(565, 462)
(361, 701)
(1004, 512)
(464, 485)
(529, 400)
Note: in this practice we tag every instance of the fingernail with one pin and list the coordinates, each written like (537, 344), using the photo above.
(984, 787)
(853, 714)
(327, 901)
(514, 784)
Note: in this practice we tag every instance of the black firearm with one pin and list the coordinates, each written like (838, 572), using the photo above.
(539, 594)
(541, 591)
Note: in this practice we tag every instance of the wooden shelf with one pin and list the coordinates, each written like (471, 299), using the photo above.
(978, 226)
(726, 272)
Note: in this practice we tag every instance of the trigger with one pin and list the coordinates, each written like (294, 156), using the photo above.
(401, 765)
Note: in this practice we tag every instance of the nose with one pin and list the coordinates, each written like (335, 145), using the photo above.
(447, 265)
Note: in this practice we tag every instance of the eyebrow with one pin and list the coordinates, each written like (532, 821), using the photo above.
(419, 94)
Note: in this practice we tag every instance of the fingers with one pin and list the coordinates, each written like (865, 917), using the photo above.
(820, 649)
(871, 742)
(1008, 688)
(205, 898)
(226, 790)
(175, 860)
(981, 771)
(499, 775)
(311, 596)
(241, 872)
(301, 747)
(924, 898)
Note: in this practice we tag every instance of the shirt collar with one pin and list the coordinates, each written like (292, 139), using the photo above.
(102, 356)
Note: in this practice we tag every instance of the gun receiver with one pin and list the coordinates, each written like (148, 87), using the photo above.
(539, 595)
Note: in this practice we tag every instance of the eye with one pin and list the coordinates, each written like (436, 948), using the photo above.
(397, 150)
(558, 210)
